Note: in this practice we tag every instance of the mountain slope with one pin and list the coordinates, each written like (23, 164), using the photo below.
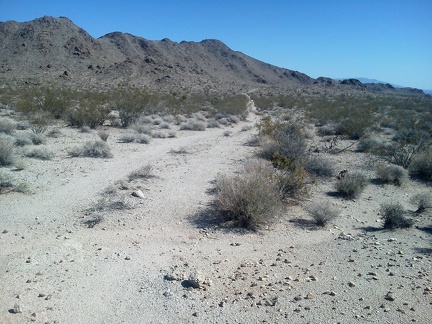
(55, 50)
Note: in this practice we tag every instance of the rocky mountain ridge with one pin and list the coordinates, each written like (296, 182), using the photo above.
(52, 49)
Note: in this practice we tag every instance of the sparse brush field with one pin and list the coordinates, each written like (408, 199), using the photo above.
(299, 208)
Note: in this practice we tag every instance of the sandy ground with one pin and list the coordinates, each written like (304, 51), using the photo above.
(132, 267)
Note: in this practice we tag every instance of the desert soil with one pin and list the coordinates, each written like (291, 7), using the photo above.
(168, 261)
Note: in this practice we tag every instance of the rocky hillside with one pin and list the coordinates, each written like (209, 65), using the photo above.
(56, 50)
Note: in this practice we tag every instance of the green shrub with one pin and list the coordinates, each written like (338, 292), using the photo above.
(421, 166)
(422, 201)
(351, 185)
(97, 149)
(249, 198)
(391, 173)
(322, 212)
(7, 152)
(393, 216)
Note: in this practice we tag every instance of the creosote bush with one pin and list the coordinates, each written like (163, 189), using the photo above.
(96, 149)
(319, 166)
(351, 185)
(41, 153)
(251, 197)
(322, 212)
(391, 174)
(393, 216)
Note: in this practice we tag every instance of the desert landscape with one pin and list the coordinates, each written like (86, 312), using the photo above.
(161, 182)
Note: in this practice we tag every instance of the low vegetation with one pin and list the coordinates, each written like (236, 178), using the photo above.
(351, 184)
(322, 212)
(394, 174)
(96, 149)
(393, 216)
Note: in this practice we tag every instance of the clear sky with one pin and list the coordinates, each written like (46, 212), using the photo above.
(388, 40)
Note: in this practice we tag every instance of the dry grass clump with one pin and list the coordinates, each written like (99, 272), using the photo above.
(391, 174)
(7, 183)
(96, 149)
(144, 172)
(351, 185)
(322, 212)
(369, 144)
(143, 129)
(160, 134)
(393, 216)
(143, 139)
(38, 138)
(7, 151)
(213, 123)
(23, 139)
(251, 197)
(422, 201)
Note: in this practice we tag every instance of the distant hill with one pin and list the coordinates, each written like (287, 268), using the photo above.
(55, 50)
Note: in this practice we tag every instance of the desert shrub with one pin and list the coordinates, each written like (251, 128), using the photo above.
(103, 135)
(38, 138)
(351, 185)
(165, 125)
(180, 150)
(391, 173)
(143, 129)
(130, 105)
(85, 129)
(7, 152)
(129, 136)
(369, 145)
(144, 172)
(234, 119)
(7, 125)
(422, 201)
(168, 118)
(55, 133)
(160, 135)
(291, 177)
(145, 120)
(213, 123)
(393, 216)
(40, 122)
(194, 125)
(22, 125)
(253, 141)
(421, 166)
(246, 128)
(113, 202)
(249, 198)
(223, 121)
(322, 212)
(326, 130)
(97, 149)
(23, 139)
(6, 180)
(319, 166)
(228, 133)
(157, 121)
(143, 139)
(41, 153)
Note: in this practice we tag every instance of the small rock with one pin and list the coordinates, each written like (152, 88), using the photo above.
(310, 296)
(170, 277)
(138, 193)
(351, 284)
(17, 309)
(390, 296)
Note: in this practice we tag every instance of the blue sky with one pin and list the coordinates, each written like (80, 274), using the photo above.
(378, 39)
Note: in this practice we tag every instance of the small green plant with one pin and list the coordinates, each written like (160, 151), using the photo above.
(144, 172)
(393, 216)
(97, 149)
(251, 197)
(351, 185)
(422, 201)
(391, 173)
(322, 212)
